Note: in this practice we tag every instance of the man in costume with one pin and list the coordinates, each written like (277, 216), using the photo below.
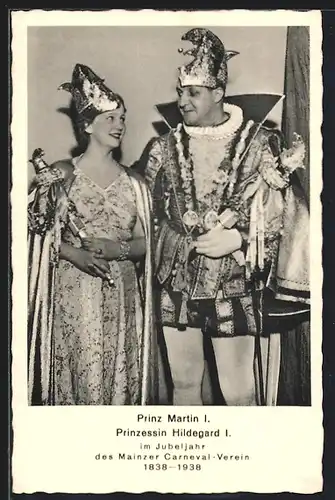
(230, 229)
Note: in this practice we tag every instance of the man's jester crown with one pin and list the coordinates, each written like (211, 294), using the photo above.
(209, 66)
(90, 95)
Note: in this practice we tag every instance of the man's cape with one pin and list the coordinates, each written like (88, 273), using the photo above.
(255, 107)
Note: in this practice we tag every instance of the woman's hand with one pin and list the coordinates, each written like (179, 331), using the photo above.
(97, 246)
(112, 250)
(86, 261)
(102, 247)
(218, 242)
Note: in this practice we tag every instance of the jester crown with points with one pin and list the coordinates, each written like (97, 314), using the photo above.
(209, 66)
(90, 95)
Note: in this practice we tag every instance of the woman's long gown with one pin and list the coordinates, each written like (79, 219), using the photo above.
(97, 326)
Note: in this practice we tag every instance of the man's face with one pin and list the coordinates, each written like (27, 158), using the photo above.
(197, 105)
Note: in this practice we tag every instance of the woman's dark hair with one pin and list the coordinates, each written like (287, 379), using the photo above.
(80, 122)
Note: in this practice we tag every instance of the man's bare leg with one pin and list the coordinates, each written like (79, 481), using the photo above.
(235, 365)
(186, 360)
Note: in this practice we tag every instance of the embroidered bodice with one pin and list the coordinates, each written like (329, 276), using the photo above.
(106, 213)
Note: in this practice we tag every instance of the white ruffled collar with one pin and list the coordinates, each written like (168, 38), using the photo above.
(226, 129)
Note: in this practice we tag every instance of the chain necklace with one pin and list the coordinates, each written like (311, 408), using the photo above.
(190, 219)
(222, 180)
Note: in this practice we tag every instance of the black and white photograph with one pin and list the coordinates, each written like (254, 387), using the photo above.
(168, 215)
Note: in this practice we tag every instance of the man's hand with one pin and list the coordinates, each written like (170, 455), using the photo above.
(218, 242)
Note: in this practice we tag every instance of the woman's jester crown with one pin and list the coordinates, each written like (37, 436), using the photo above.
(90, 95)
(209, 66)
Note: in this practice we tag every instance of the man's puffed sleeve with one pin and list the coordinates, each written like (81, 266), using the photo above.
(281, 216)
(154, 176)
(287, 216)
(153, 164)
(253, 185)
(167, 240)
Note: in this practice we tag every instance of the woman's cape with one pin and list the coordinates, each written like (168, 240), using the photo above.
(43, 251)
(149, 352)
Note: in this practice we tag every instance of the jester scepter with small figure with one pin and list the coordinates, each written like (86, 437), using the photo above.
(51, 202)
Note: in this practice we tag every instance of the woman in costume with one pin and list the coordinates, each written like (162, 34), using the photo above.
(90, 326)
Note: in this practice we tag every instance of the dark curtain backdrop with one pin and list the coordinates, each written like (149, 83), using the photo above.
(296, 89)
(295, 383)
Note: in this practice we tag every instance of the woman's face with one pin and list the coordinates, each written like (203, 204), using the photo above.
(108, 128)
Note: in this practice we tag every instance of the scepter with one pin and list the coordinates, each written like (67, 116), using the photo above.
(76, 225)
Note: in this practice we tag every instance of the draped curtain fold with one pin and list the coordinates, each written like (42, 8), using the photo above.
(296, 89)
(295, 383)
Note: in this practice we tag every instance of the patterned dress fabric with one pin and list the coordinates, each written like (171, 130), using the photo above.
(97, 326)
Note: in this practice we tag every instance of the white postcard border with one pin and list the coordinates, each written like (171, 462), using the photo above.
(55, 448)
